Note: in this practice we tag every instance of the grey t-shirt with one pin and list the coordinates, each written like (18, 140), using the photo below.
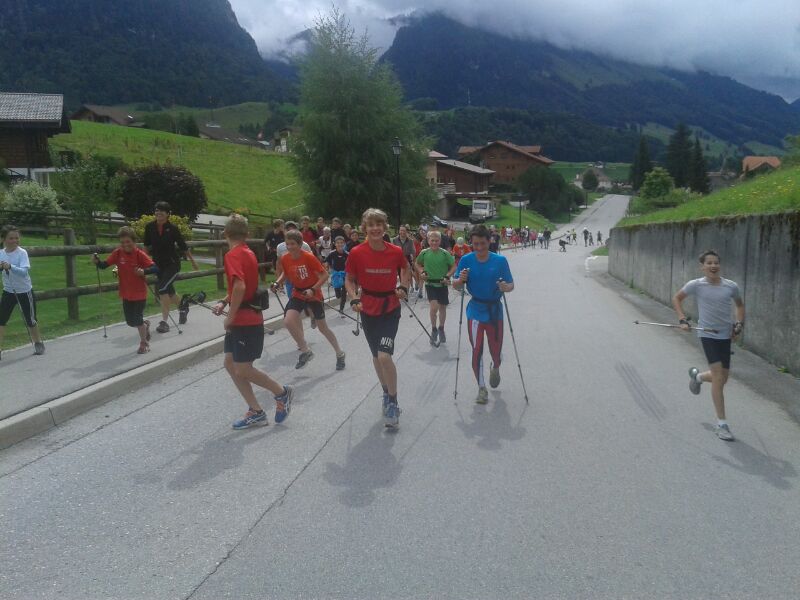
(715, 305)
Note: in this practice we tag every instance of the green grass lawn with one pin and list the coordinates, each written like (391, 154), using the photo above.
(601, 251)
(568, 170)
(509, 215)
(229, 117)
(48, 273)
(234, 176)
(776, 192)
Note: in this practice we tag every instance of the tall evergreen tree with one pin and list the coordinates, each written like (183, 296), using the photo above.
(698, 172)
(641, 165)
(351, 109)
(679, 155)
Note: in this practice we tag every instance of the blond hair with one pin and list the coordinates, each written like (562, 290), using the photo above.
(126, 232)
(236, 227)
(436, 234)
(375, 215)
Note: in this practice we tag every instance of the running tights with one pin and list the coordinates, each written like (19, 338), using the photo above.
(494, 335)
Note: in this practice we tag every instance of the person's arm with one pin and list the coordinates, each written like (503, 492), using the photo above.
(237, 296)
(506, 283)
(677, 304)
(148, 238)
(739, 325)
(405, 280)
(23, 268)
(452, 268)
(351, 285)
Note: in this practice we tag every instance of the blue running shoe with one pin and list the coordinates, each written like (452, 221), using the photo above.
(385, 403)
(250, 419)
(391, 415)
(283, 404)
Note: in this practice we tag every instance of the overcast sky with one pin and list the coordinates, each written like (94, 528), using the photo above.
(754, 41)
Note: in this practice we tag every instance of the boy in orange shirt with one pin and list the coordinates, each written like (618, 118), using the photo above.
(307, 275)
(133, 265)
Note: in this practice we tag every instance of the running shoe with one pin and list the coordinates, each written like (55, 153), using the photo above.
(694, 385)
(442, 337)
(494, 376)
(303, 359)
(183, 315)
(483, 395)
(147, 333)
(724, 432)
(340, 361)
(391, 415)
(385, 403)
(162, 327)
(434, 336)
(38, 348)
(251, 418)
(144, 348)
(283, 404)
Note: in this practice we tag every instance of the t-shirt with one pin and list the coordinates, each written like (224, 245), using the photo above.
(324, 246)
(302, 272)
(337, 261)
(376, 271)
(482, 285)
(282, 249)
(459, 251)
(309, 236)
(715, 305)
(273, 239)
(436, 264)
(407, 246)
(241, 263)
(163, 242)
(494, 242)
(18, 279)
(131, 286)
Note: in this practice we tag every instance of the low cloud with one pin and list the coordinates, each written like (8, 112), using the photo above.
(755, 41)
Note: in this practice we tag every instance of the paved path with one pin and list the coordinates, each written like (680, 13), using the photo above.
(609, 485)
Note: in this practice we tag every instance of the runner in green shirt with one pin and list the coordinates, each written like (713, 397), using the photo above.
(435, 267)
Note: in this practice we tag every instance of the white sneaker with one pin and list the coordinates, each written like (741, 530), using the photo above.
(694, 385)
(724, 432)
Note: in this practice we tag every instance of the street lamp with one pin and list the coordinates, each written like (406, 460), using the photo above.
(396, 147)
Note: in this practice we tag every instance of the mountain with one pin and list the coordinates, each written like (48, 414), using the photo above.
(190, 52)
(439, 58)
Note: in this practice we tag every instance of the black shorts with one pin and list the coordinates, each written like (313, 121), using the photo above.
(26, 302)
(340, 292)
(438, 294)
(134, 312)
(380, 331)
(245, 343)
(717, 351)
(166, 278)
(317, 310)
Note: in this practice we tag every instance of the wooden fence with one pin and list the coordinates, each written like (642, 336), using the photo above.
(70, 250)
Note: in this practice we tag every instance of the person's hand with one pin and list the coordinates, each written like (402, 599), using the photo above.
(504, 286)
(424, 276)
(5, 266)
(738, 327)
(218, 308)
(463, 276)
(446, 281)
(356, 306)
(309, 293)
(95, 259)
(139, 271)
(684, 324)
(401, 293)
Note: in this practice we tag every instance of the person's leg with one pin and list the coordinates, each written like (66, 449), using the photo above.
(294, 324)
(248, 373)
(475, 332)
(322, 325)
(719, 377)
(164, 301)
(442, 315)
(433, 310)
(388, 372)
(494, 337)
(27, 305)
(379, 372)
(242, 384)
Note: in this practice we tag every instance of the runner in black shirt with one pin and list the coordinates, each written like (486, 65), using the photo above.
(163, 240)
(336, 261)
(271, 241)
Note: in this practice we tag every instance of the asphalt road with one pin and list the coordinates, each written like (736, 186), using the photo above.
(610, 484)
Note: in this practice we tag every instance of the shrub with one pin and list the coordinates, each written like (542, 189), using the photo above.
(182, 223)
(145, 186)
(28, 202)
(589, 181)
(657, 183)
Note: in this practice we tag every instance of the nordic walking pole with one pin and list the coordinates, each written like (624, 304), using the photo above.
(514, 342)
(706, 329)
(413, 314)
(21, 312)
(458, 347)
(357, 330)
(333, 308)
(199, 298)
(100, 296)
(275, 291)
(169, 314)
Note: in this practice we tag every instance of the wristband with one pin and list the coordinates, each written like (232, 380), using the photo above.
(404, 288)
(355, 301)
(684, 321)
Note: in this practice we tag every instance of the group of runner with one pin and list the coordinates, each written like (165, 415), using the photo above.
(376, 275)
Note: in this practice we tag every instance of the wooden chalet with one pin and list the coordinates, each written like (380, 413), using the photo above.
(756, 165)
(108, 115)
(464, 176)
(27, 122)
(212, 131)
(507, 160)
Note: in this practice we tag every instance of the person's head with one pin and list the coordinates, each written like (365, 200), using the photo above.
(336, 222)
(434, 240)
(294, 241)
(162, 211)
(339, 241)
(320, 222)
(305, 221)
(710, 263)
(290, 225)
(375, 222)
(236, 228)
(347, 229)
(402, 232)
(127, 238)
(460, 241)
(9, 238)
(479, 238)
(277, 225)
(326, 232)
(353, 235)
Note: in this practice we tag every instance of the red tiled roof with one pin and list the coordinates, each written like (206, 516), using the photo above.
(514, 148)
(751, 163)
(434, 155)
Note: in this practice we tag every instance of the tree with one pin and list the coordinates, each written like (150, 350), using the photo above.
(351, 109)
(548, 192)
(641, 165)
(657, 183)
(589, 182)
(29, 203)
(698, 172)
(679, 155)
(145, 186)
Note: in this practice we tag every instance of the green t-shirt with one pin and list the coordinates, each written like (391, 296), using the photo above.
(436, 264)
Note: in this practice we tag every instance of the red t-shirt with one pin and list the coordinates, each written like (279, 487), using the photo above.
(302, 272)
(309, 237)
(241, 263)
(131, 286)
(376, 271)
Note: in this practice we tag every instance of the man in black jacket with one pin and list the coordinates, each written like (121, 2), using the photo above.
(163, 240)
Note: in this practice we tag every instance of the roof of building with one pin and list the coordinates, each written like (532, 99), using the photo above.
(215, 132)
(433, 154)
(465, 166)
(118, 115)
(31, 108)
(464, 150)
(751, 163)
(532, 149)
(529, 151)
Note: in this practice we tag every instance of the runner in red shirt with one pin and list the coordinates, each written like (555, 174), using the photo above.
(309, 235)
(307, 276)
(374, 266)
(244, 329)
(133, 265)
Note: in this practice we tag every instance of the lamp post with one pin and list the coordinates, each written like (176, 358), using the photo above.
(396, 147)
